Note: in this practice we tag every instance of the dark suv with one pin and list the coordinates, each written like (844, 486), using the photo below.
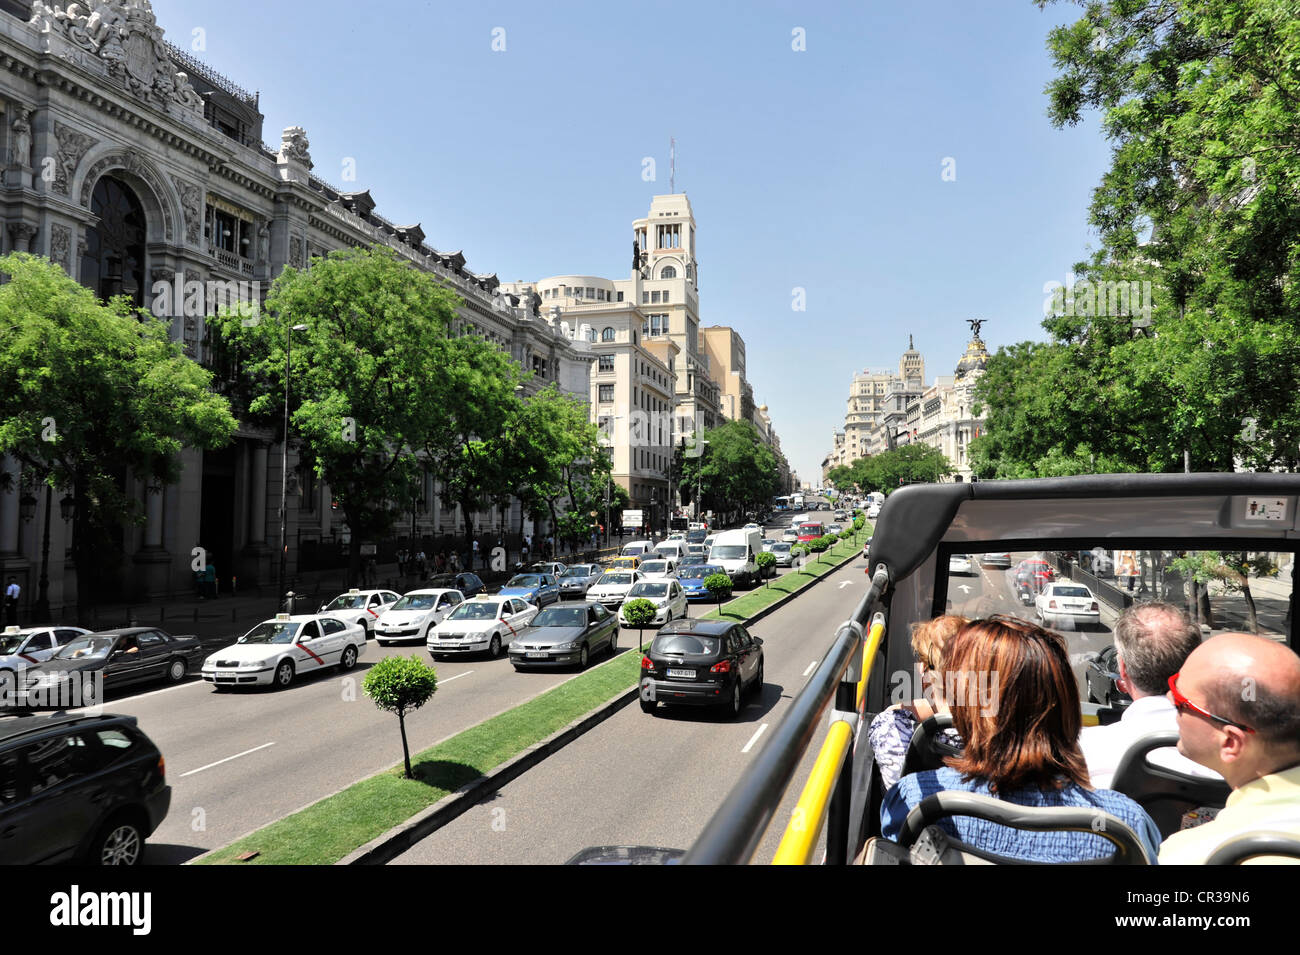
(84, 789)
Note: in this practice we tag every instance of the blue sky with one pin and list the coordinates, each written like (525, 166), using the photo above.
(817, 169)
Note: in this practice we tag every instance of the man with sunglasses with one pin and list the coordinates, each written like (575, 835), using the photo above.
(1238, 702)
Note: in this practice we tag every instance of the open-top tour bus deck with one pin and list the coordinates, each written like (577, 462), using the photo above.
(1116, 538)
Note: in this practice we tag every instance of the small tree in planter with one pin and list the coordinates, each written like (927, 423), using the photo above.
(766, 564)
(818, 546)
(398, 685)
(639, 612)
(719, 588)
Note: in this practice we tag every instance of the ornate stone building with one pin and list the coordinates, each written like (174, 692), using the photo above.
(141, 170)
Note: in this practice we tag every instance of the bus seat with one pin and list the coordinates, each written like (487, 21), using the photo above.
(1251, 844)
(912, 850)
(1165, 794)
(928, 746)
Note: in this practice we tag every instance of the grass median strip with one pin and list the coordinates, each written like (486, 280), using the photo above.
(328, 830)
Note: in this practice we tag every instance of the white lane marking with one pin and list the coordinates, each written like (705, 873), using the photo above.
(456, 677)
(227, 759)
(811, 666)
(844, 583)
(754, 739)
(964, 589)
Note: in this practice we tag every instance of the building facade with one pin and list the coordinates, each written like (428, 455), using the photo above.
(142, 172)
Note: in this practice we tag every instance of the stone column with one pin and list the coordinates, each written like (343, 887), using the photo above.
(22, 234)
(9, 514)
(153, 512)
(152, 560)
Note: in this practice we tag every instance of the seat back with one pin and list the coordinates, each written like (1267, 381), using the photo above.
(1165, 794)
(1263, 843)
(928, 746)
(1128, 847)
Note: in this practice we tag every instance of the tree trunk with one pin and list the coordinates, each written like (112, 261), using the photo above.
(80, 522)
(469, 534)
(406, 749)
(354, 553)
(1252, 617)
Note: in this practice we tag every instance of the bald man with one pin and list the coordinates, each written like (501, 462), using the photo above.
(1238, 701)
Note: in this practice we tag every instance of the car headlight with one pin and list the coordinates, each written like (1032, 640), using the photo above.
(250, 664)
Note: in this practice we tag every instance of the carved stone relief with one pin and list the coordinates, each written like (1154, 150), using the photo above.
(61, 246)
(73, 144)
(192, 206)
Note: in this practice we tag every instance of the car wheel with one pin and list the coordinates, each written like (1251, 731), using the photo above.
(613, 641)
(757, 685)
(176, 671)
(349, 658)
(364, 628)
(494, 647)
(120, 842)
(582, 657)
(382, 643)
(283, 674)
(735, 705)
(219, 688)
(649, 706)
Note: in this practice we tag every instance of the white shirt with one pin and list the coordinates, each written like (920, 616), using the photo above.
(12, 591)
(1104, 746)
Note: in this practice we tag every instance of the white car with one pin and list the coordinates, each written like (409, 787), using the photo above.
(960, 564)
(20, 647)
(613, 587)
(362, 607)
(666, 595)
(484, 624)
(873, 512)
(412, 616)
(1066, 601)
(658, 569)
(791, 534)
(275, 651)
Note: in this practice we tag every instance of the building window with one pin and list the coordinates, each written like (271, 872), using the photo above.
(606, 392)
(668, 273)
(591, 292)
(654, 298)
(645, 298)
(606, 362)
(607, 335)
(591, 335)
(665, 296)
(620, 296)
(655, 326)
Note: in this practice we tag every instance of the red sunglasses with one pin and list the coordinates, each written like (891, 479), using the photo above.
(1183, 703)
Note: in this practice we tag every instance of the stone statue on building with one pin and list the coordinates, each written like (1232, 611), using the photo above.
(636, 255)
(21, 154)
(294, 145)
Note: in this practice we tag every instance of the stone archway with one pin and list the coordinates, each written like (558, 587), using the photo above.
(113, 257)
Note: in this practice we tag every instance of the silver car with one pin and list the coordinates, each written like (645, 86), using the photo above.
(577, 580)
(565, 634)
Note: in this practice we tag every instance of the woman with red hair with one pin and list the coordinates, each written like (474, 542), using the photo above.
(1015, 703)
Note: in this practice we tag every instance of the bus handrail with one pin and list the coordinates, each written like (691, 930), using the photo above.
(733, 833)
(809, 816)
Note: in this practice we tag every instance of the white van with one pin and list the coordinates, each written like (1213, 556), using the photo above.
(672, 550)
(735, 552)
(637, 548)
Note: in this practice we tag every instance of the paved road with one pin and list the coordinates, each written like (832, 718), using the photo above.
(653, 780)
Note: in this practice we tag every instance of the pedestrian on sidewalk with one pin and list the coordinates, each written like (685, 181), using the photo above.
(523, 553)
(455, 562)
(12, 590)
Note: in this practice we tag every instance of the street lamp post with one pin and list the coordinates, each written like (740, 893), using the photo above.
(284, 457)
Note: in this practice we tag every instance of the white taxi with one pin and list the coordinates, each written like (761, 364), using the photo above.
(481, 624)
(275, 651)
(20, 647)
(363, 607)
(412, 617)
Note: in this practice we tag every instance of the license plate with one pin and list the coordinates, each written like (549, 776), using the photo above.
(682, 674)
(539, 654)
(224, 675)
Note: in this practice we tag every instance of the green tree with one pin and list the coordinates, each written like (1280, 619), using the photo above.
(911, 464)
(400, 685)
(766, 561)
(719, 588)
(92, 392)
(736, 472)
(370, 375)
(638, 612)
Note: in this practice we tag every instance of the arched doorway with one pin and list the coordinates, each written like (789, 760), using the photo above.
(114, 260)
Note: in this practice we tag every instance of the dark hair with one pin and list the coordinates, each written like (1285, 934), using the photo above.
(1154, 639)
(1028, 736)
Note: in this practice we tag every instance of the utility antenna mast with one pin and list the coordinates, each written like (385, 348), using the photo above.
(672, 164)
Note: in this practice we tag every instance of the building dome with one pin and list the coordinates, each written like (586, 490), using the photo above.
(975, 360)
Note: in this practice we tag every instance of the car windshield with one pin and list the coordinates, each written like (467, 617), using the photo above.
(272, 632)
(810, 529)
(561, 617)
(648, 590)
(654, 567)
(89, 646)
(700, 571)
(781, 548)
(346, 602)
(729, 552)
(581, 570)
(524, 580)
(11, 644)
(615, 579)
(416, 602)
(478, 610)
(686, 644)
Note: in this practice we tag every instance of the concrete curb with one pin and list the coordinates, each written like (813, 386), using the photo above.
(385, 848)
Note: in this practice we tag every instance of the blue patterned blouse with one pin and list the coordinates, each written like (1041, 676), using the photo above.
(1023, 844)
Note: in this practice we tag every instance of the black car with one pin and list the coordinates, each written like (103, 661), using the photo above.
(122, 657)
(1102, 677)
(701, 662)
(467, 583)
(84, 789)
